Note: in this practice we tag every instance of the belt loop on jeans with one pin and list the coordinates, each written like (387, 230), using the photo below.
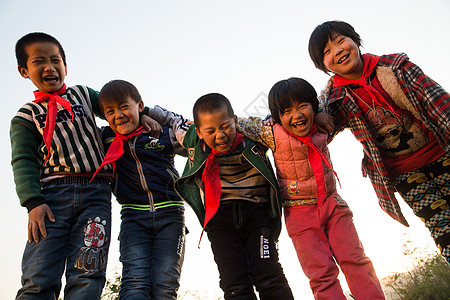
(299, 202)
(76, 180)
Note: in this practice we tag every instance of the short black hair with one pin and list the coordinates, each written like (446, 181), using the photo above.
(210, 103)
(286, 92)
(35, 37)
(116, 91)
(324, 32)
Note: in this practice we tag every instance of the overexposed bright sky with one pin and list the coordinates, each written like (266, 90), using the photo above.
(176, 51)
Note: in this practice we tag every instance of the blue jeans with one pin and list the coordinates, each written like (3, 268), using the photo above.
(78, 241)
(151, 252)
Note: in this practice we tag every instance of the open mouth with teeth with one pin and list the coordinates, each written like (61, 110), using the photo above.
(221, 145)
(342, 59)
(51, 78)
(299, 124)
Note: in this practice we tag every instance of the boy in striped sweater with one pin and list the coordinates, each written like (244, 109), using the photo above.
(55, 150)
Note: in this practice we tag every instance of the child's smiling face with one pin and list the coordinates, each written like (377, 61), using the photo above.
(123, 116)
(341, 56)
(217, 129)
(298, 118)
(45, 67)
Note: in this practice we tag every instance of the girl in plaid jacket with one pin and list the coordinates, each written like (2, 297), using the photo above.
(400, 116)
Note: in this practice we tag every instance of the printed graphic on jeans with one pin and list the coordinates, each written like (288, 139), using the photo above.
(92, 257)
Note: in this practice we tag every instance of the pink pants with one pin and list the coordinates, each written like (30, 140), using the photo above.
(322, 237)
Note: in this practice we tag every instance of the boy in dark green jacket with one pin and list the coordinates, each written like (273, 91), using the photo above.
(229, 183)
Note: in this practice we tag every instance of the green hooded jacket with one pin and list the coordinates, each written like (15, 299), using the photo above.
(189, 186)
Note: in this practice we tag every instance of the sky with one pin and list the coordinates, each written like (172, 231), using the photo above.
(176, 51)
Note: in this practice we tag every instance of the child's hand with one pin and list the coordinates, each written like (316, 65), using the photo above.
(151, 126)
(36, 223)
(324, 123)
(268, 121)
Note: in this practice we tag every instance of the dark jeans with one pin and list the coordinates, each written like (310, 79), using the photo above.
(151, 252)
(244, 248)
(78, 241)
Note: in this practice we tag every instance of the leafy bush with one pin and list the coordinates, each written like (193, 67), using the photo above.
(429, 280)
(112, 287)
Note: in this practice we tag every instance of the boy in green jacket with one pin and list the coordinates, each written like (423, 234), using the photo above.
(229, 182)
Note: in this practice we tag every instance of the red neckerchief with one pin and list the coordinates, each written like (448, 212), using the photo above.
(211, 182)
(52, 109)
(369, 64)
(315, 157)
(115, 150)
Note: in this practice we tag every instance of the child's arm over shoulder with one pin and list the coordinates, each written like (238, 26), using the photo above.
(177, 147)
(329, 121)
(165, 117)
(324, 123)
(324, 96)
(254, 129)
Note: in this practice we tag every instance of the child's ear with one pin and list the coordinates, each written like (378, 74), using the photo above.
(141, 106)
(200, 136)
(23, 72)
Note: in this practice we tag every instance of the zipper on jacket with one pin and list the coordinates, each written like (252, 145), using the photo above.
(141, 174)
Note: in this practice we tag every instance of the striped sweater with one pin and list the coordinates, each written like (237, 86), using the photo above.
(239, 180)
(75, 150)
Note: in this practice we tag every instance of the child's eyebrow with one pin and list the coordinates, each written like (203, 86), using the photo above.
(36, 57)
(107, 105)
(42, 57)
(208, 129)
(221, 125)
(336, 36)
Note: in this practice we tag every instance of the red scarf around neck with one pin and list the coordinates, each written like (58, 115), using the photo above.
(52, 109)
(211, 182)
(316, 157)
(370, 62)
(115, 150)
